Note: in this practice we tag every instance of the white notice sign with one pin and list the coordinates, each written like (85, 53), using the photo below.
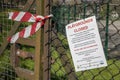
(85, 44)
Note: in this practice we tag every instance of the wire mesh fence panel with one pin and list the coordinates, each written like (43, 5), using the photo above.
(108, 17)
(6, 71)
(7, 26)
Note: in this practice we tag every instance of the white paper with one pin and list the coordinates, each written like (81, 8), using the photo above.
(85, 44)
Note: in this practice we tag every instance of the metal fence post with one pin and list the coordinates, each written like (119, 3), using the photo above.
(84, 12)
(107, 26)
(46, 56)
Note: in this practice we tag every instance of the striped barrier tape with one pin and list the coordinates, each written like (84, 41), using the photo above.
(38, 21)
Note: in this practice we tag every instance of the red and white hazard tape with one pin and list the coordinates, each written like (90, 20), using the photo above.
(38, 20)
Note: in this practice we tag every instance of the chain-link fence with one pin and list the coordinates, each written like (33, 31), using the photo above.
(108, 19)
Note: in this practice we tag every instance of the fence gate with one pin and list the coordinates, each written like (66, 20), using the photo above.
(23, 59)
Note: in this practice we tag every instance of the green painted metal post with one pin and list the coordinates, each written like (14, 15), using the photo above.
(107, 29)
(68, 16)
(84, 12)
(74, 12)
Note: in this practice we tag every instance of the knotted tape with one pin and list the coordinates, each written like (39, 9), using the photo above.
(38, 20)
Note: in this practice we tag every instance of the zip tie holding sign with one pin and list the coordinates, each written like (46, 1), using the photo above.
(38, 20)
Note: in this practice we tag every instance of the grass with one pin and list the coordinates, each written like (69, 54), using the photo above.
(111, 71)
(4, 60)
(104, 73)
(58, 71)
